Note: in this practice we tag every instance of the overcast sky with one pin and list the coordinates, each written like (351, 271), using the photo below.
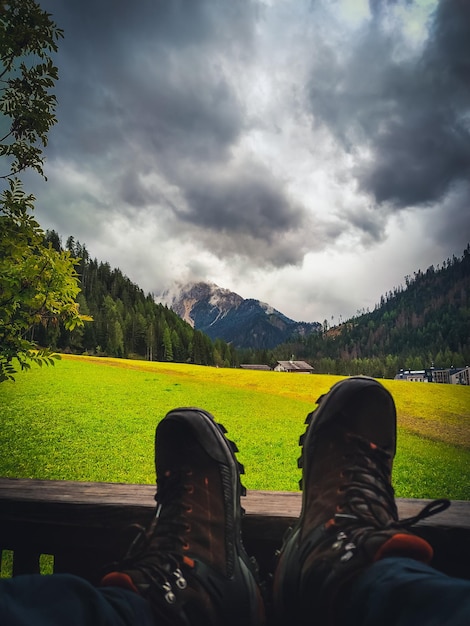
(307, 153)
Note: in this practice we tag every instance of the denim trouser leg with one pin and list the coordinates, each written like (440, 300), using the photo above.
(404, 592)
(65, 600)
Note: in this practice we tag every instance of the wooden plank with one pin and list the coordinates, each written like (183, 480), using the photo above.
(75, 492)
(83, 524)
(278, 504)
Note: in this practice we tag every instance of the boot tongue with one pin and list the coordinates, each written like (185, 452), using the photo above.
(169, 516)
(368, 493)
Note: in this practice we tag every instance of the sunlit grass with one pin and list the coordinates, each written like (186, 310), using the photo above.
(94, 419)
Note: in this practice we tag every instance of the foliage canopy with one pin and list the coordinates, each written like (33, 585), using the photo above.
(38, 284)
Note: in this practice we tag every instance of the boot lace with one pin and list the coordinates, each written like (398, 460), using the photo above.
(157, 550)
(369, 496)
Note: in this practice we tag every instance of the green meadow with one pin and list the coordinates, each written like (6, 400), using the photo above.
(94, 419)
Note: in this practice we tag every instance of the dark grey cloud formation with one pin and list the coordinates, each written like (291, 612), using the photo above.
(146, 73)
(244, 200)
(238, 141)
(409, 109)
(149, 88)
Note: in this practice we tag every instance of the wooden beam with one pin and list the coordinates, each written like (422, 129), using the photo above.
(83, 523)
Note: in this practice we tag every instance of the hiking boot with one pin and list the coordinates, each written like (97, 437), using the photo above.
(190, 563)
(349, 516)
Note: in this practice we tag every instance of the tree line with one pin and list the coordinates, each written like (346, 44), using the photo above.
(421, 324)
(126, 322)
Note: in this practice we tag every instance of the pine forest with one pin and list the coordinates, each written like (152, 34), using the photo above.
(421, 324)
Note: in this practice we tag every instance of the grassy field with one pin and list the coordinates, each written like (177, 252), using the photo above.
(94, 419)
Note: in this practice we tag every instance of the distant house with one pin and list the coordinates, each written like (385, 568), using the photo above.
(413, 376)
(441, 376)
(301, 367)
(461, 377)
(449, 376)
(249, 366)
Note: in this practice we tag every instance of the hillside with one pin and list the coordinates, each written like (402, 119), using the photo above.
(426, 321)
(126, 321)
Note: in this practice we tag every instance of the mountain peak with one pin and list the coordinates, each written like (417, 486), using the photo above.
(221, 313)
(183, 299)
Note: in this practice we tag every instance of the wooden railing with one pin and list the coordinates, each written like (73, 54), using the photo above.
(83, 525)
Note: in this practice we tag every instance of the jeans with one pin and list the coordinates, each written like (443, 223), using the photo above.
(66, 600)
(392, 592)
(404, 592)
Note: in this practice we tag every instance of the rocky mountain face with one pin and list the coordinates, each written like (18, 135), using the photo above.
(220, 313)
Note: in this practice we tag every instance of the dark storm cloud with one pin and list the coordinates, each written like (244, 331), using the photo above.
(132, 191)
(147, 88)
(410, 111)
(370, 224)
(244, 200)
(147, 71)
(449, 226)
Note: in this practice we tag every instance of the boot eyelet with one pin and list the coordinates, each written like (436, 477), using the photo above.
(181, 583)
(168, 592)
(180, 579)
